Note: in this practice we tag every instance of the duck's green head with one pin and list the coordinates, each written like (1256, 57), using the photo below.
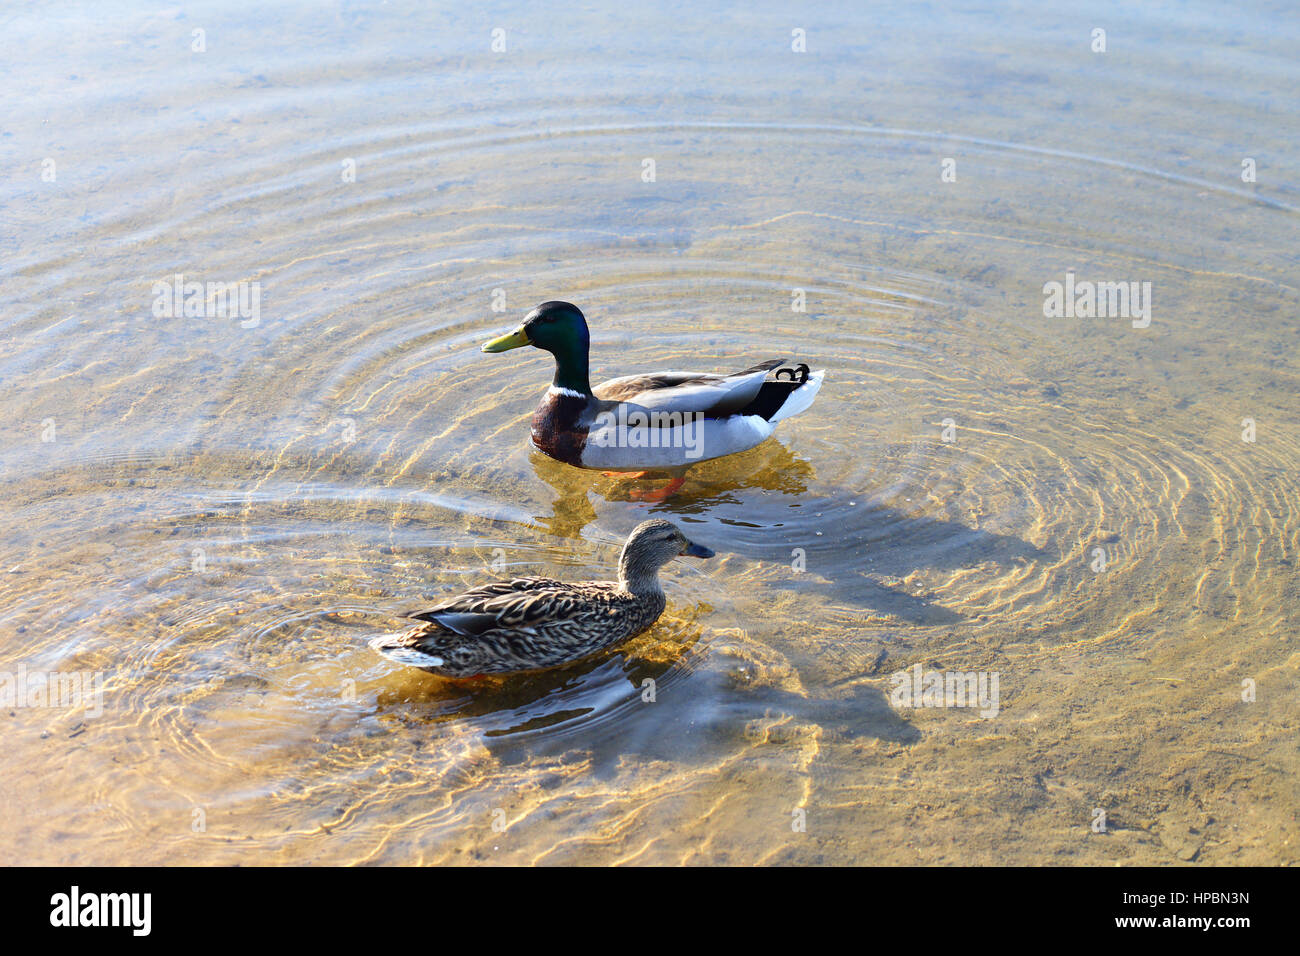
(558, 328)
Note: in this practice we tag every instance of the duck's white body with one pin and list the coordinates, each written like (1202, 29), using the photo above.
(670, 428)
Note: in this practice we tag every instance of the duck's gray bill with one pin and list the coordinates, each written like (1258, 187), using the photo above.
(694, 550)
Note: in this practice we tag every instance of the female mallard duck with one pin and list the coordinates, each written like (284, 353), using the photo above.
(530, 624)
(660, 421)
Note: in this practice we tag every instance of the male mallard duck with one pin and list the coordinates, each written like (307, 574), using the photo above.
(530, 624)
(660, 421)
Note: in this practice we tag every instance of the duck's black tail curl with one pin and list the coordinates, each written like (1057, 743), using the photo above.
(776, 389)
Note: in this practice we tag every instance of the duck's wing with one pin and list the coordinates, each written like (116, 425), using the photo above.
(519, 604)
(487, 591)
(707, 417)
(713, 395)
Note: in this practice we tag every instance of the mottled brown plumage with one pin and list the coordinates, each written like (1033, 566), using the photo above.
(530, 624)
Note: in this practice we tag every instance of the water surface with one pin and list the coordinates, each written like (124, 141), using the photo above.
(215, 515)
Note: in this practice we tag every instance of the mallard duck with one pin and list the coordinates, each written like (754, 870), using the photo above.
(531, 624)
(660, 421)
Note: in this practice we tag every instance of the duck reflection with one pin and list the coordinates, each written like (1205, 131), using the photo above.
(769, 467)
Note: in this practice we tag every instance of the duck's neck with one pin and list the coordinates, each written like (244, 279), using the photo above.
(571, 367)
(638, 576)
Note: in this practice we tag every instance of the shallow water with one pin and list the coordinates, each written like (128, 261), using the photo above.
(215, 518)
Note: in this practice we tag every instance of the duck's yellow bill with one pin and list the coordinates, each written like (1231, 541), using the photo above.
(511, 340)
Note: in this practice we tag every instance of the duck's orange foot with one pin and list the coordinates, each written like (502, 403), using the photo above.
(661, 494)
(629, 475)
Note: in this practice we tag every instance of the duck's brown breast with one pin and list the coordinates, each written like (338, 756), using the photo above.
(557, 428)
